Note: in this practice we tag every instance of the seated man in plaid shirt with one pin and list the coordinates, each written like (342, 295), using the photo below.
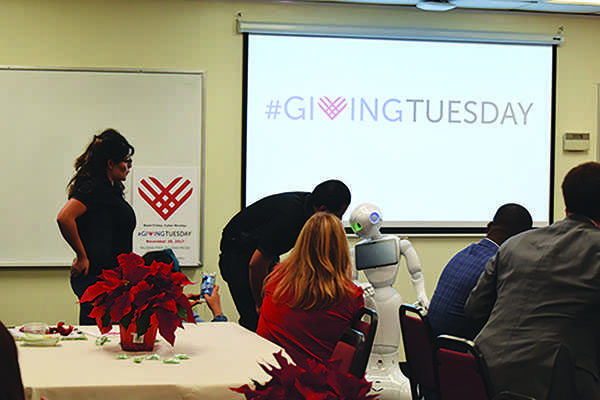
(446, 310)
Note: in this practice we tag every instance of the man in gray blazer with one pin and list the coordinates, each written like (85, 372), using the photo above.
(540, 295)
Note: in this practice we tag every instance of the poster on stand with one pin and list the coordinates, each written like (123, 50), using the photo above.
(166, 201)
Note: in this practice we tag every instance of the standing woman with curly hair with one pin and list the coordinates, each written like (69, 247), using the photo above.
(96, 221)
(310, 299)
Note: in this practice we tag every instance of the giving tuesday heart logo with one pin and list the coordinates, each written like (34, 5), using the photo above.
(332, 108)
(165, 200)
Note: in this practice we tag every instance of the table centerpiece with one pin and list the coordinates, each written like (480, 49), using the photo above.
(141, 299)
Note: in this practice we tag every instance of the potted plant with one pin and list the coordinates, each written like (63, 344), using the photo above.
(310, 380)
(141, 299)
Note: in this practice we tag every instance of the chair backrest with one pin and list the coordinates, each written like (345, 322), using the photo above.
(366, 323)
(348, 350)
(417, 337)
(461, 369)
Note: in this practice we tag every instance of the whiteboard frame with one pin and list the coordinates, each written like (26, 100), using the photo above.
(202, 166)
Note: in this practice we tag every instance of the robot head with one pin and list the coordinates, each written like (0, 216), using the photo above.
(366, 220)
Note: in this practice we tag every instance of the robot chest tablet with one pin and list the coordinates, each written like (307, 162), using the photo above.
(376, 253)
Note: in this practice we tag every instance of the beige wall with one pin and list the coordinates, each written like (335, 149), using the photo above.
(200, 35)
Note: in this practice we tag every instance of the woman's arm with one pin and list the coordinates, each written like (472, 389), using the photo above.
(68, 228)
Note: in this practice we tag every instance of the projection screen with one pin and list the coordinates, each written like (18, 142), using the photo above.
(437, 134)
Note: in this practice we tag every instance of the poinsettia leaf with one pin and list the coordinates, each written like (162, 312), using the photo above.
(98, 313)
(130, 259)
(141, 293)
(165, 268)
(142, 322)
(126, 319)
(135, 273)
(181, 312)
(242, 389)
(184, 310)
(180, 279)
(281, 360)
(170, 305)
(104, 322)
(93, 291)
(121, 306)
(313, 393)
(167, 324)
(111, 277)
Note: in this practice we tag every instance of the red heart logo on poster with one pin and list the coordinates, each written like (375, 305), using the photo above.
(165, 200)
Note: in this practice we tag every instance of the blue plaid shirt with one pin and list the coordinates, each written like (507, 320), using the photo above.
(446, 311)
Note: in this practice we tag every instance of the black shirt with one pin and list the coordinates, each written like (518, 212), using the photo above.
(106, 228)
(271, 224)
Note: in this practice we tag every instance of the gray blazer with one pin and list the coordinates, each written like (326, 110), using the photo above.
(541, 292)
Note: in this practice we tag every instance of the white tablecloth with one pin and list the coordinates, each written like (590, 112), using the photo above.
(222, 355)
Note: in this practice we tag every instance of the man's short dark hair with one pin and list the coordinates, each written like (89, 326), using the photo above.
(513, 218)
(333, 194)
(581, 190)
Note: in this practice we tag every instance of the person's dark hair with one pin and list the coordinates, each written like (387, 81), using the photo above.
(333, 194)
(581, 190)
(11, 384)
(109, 145)
(510, 219)
(514, 218)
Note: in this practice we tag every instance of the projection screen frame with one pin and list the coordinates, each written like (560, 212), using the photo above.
(345, 31)
(382, 32)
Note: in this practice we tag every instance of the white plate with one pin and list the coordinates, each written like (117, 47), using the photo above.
(41, 340)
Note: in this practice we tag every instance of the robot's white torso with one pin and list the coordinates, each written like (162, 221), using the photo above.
(378, 256)
(379, 260)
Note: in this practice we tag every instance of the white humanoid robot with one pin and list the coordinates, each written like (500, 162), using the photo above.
(378, 256)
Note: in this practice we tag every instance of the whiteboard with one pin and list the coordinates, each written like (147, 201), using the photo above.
(48, 117)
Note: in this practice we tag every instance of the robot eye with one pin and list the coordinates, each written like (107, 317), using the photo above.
(356, 227)
(374, 217)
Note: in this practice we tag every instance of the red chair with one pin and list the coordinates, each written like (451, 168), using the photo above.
(366, 323)
(348, 351)
(417, 337)
(461, 370)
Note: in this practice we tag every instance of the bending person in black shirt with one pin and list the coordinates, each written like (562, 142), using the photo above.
(255, 237)
(96, 221)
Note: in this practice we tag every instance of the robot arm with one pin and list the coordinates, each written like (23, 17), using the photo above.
(414, 268)
(353, 261)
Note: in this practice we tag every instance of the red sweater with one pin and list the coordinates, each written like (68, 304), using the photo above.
(312, 333)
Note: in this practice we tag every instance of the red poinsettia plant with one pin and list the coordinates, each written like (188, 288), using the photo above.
(133, 293)
(310, 380)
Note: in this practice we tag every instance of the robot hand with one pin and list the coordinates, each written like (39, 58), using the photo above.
(423, 303)
(367, 288)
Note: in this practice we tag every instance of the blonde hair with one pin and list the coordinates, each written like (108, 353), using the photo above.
(317, 274)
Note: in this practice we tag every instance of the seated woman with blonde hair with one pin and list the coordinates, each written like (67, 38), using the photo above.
(310, 299)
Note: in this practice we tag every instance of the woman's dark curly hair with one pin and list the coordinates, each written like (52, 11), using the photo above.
(109, 145)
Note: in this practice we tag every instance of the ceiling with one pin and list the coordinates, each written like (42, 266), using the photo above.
(577, 7)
